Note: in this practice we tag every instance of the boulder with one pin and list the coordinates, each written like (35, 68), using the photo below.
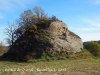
(41, 42)
(63, 39)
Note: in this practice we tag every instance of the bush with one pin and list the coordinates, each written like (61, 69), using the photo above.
(63, 55)
(84, 54)
(94, 48)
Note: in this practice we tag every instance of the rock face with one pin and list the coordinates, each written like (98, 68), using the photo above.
(63, 39)
(54, 40)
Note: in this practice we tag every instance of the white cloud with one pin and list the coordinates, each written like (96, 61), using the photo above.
(90, 24)
(90, 37)
(2, 15)
(6, 5)
(9, 5)
(95, 2)
(88, 29)
(94, 22)
(84, 29)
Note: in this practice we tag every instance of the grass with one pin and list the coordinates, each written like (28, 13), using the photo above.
(60, 67)
(81, 63)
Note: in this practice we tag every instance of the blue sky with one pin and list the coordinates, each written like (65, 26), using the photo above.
(81, 16)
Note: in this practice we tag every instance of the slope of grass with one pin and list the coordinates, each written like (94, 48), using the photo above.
(84, 54)
(61, 67)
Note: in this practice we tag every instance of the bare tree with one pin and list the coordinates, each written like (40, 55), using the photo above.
(28, 19)
(39, 13)
(10, 31)
(25, 19)
(25, 22)
(53, 18)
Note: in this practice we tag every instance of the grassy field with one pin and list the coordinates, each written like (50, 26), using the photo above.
(61, 67)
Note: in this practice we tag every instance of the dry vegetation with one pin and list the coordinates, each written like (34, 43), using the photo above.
(61, 67)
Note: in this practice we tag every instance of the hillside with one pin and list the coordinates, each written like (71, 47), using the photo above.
(35, 43)
(38, 35)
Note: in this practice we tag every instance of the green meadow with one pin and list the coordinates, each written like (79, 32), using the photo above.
(57, 67)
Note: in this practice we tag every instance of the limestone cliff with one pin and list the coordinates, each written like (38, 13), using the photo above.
(38, 42)
(63, 39)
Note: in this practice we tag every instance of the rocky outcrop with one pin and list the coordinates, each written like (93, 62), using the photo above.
(63, 39)
(35, 42)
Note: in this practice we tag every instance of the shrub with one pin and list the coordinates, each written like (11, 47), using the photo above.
(94, 48)
(84, 54)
